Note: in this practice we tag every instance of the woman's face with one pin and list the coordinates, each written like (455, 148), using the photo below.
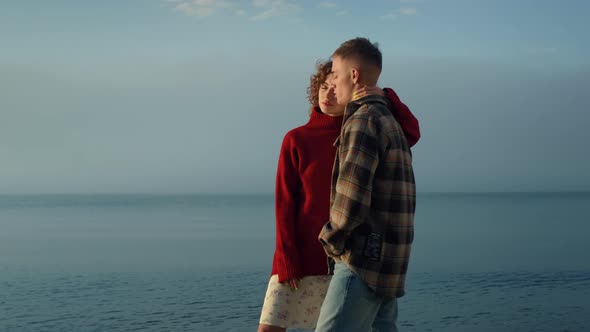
(327, 99)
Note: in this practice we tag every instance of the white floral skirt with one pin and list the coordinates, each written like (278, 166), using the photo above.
(294, 309)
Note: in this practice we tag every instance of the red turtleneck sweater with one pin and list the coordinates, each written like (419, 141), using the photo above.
(303, 196)
(303, 189)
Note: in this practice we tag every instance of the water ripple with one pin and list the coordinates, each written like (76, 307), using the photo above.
(224, 301)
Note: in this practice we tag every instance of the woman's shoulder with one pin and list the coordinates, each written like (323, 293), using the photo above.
(296, 134)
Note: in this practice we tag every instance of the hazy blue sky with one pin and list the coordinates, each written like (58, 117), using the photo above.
(195, 96)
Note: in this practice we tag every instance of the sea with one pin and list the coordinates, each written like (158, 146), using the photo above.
(180, 262)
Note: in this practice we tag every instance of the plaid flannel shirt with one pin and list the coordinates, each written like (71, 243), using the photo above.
(373, 197)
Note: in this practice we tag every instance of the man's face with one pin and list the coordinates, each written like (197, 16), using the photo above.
(342, 80)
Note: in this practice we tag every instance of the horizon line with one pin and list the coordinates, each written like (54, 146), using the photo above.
(272, 193)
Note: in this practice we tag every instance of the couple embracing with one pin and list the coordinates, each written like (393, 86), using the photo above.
(345, 202)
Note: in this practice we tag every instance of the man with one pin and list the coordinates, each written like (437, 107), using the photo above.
(373, 199)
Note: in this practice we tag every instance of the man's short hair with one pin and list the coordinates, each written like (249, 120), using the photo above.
(361, 49)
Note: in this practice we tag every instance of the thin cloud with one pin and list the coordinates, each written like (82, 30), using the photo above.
(327, 5)
(273, 8)
(191, 10)
(342, 13)
(200, 8)
(408, 1)
(262, 9)
(408, 11)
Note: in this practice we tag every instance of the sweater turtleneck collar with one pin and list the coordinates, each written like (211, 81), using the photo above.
(317, 119)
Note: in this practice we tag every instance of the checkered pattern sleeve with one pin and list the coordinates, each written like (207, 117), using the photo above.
(351, 201)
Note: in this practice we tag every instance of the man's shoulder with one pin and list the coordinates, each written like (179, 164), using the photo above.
(373, 111)
(372, 105)
(375, 115)
(371, 99)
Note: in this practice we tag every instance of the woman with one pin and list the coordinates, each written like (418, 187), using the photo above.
(299, 278)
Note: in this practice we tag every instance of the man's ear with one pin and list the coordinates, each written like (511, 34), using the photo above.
(355, 75)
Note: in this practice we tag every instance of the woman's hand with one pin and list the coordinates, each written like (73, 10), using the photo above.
(293, 283)
(367, 91)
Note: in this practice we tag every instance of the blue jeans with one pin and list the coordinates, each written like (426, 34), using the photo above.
(350, 305)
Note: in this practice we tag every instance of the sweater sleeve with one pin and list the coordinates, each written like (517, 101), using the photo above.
(404, 117)
(287, 187)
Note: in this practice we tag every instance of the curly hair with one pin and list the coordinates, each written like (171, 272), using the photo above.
(316, 80)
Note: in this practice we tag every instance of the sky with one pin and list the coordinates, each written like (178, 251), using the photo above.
(164, 96)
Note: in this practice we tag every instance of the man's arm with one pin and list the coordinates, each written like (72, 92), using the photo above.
(359, 157)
